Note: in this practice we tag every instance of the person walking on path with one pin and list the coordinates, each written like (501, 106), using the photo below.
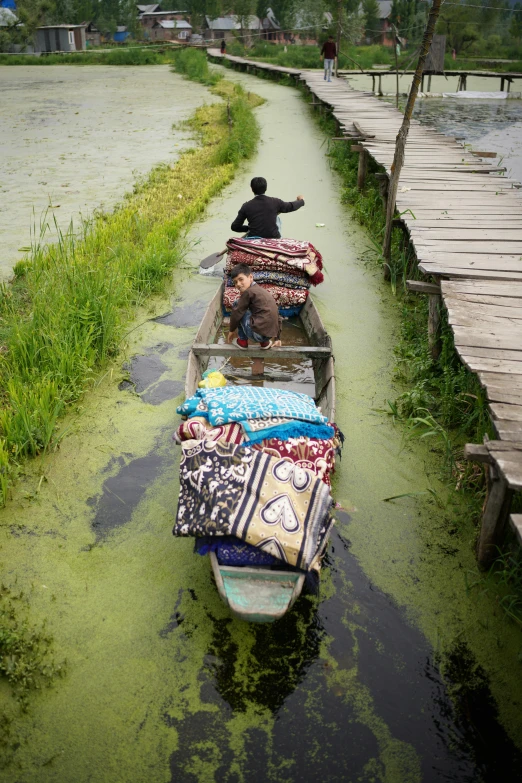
(329, 53)
(261, 212)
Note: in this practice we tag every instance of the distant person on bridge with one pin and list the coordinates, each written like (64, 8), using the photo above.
(259, 216)
(223, 46)
(329, 53)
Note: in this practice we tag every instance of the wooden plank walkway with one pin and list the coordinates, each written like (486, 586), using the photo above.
(464, 221)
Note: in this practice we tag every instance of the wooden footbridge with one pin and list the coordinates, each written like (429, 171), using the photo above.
(464, 221)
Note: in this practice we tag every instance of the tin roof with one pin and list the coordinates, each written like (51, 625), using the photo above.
(62, 26)
(171, 24)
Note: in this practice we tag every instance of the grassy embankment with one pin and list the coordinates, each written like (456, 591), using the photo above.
(63, 315)
(443, 401)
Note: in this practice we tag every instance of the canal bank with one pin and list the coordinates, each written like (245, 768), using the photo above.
(161, 683)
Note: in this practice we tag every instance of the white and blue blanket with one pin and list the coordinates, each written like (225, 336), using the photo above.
(241, 403)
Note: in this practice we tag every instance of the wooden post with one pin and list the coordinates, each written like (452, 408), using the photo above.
(362, 169)
(396, 68)
(258, 366)
(380, 84)
(429, 83)
(434, 342)
(502, 84)
(373, 83)
(494, 518)
(509, 83)
(435, 302)
(464, 81)
(339, 19)
(496, 510)
(400, 146)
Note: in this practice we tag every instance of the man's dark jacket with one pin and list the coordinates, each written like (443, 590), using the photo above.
(260, 214)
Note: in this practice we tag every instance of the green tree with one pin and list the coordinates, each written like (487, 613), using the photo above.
(372, 19)
(515, 25)
(459, 23)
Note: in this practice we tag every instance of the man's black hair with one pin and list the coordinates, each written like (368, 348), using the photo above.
(258, 185)
(330, 36)
(240, 269)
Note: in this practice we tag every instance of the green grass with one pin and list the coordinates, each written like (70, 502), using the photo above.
(310, 57)
(64, 315)
(193, 64)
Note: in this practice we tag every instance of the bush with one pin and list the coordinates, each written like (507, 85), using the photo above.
(192, 63)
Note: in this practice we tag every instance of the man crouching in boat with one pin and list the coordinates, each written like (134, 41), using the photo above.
(255, 315)
(259, 216)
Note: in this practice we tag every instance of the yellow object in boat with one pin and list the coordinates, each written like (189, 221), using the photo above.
(212, 381)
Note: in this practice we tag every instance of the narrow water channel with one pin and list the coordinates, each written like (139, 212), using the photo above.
(398, 672)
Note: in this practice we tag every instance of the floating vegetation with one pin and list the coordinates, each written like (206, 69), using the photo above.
(25, 651)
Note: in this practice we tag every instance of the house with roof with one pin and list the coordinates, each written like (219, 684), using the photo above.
(60, 38)
(229, 27)
(170, 30)
(92, 35)
(148, 19)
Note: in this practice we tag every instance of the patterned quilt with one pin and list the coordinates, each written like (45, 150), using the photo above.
(276, 255)
(239, 403)
(267, 502)
(284, 297)
(285, 279)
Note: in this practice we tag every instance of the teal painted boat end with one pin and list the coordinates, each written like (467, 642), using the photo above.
(257, 595)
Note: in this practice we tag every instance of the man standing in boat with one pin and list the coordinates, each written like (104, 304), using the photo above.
(259, 216)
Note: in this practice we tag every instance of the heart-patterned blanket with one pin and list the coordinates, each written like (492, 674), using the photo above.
(273, 504)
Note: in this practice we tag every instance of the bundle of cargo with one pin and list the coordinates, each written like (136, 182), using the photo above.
(255, 480)
(285, 267)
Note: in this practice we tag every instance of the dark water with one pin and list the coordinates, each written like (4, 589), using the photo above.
(467, 118)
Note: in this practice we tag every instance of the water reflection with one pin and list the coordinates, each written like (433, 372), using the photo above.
(471, 119)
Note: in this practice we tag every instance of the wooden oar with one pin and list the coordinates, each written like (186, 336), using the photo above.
(212, 260)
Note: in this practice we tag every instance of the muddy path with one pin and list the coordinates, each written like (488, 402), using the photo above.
(395, 673)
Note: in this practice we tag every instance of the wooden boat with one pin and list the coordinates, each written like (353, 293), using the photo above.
(258, 594)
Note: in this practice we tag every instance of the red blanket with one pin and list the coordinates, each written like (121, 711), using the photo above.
(278, 255)
(285, 297)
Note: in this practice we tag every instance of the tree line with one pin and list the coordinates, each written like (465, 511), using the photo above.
(470, 26)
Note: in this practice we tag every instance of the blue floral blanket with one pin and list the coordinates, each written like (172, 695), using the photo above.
(241, 403)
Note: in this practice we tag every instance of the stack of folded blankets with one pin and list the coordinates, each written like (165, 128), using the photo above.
(255, 476)
(285, 267)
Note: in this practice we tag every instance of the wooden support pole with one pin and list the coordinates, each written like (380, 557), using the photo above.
(362, 169)
(434, 341)
(502, 84)
(435, 302)
(373, 83)
(429, 83)
(258, 367)
(380, 84)
(400, 144)
(494, 518)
